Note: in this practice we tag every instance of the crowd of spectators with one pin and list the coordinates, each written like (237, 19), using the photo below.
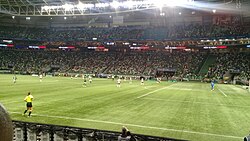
(147, 63)
(124, 33)
(124, 63)
(129, 63)
(233, 62)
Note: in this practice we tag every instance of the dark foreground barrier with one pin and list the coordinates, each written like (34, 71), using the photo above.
(26, 131)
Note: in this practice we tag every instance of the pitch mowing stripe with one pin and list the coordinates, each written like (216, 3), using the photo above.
(134, 125)
(8, 102)
(153, 92)
(196, 102)
(222, 92)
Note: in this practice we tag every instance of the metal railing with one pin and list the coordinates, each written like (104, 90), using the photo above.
(26, 131)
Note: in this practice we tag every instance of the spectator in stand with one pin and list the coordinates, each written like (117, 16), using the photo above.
(132, 137)
(123, 136)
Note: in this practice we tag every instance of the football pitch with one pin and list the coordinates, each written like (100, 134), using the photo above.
(182, 110)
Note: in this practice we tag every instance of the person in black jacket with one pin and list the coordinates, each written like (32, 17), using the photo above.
(124, 136)
(6, 128)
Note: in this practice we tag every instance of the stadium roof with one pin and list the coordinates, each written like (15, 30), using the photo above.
(91, 7)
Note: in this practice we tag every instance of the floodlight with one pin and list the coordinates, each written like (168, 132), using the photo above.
(162, 14)
(13, 17)
(27, 18)
(180, 13)
(65, 18)
(101, 5)
(214, 10)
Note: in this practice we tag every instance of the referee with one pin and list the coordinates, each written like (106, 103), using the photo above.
(29, 98)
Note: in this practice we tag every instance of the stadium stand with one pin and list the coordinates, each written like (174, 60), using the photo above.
(236, 62)
(130, 63)
(125, 33)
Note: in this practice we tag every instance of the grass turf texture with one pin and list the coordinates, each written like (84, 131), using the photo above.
(178, 110)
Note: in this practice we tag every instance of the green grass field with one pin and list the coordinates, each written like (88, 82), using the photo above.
(182, 110)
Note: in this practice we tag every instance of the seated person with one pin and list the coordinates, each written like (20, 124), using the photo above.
(124, 136)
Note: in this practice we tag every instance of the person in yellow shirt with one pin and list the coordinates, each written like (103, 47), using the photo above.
(28, 99)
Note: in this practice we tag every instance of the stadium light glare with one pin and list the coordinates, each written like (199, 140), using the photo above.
(85, 6)
(68, 7)
(162, 14)
(115, 4)
(65, 18)
(214, 10)
(130, 4)
(159, 4)
(101, 5)
(127, 4)
(13, 17)
(171, 3)
(46, 8)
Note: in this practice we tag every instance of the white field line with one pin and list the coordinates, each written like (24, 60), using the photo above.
(196, 102)
(134, 125)
(152, 92)
(222, 92)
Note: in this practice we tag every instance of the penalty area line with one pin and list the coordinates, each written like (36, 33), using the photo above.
(134, 125)
(152, 92)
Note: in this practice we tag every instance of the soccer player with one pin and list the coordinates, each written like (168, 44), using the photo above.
(125, 78)
(90, 79)
(158, 80)
(14, 79)
(85, 82)
(118, 83)
(28, 99)
(41, 77)
(212, 85)
(142, 81)
(130, 80)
